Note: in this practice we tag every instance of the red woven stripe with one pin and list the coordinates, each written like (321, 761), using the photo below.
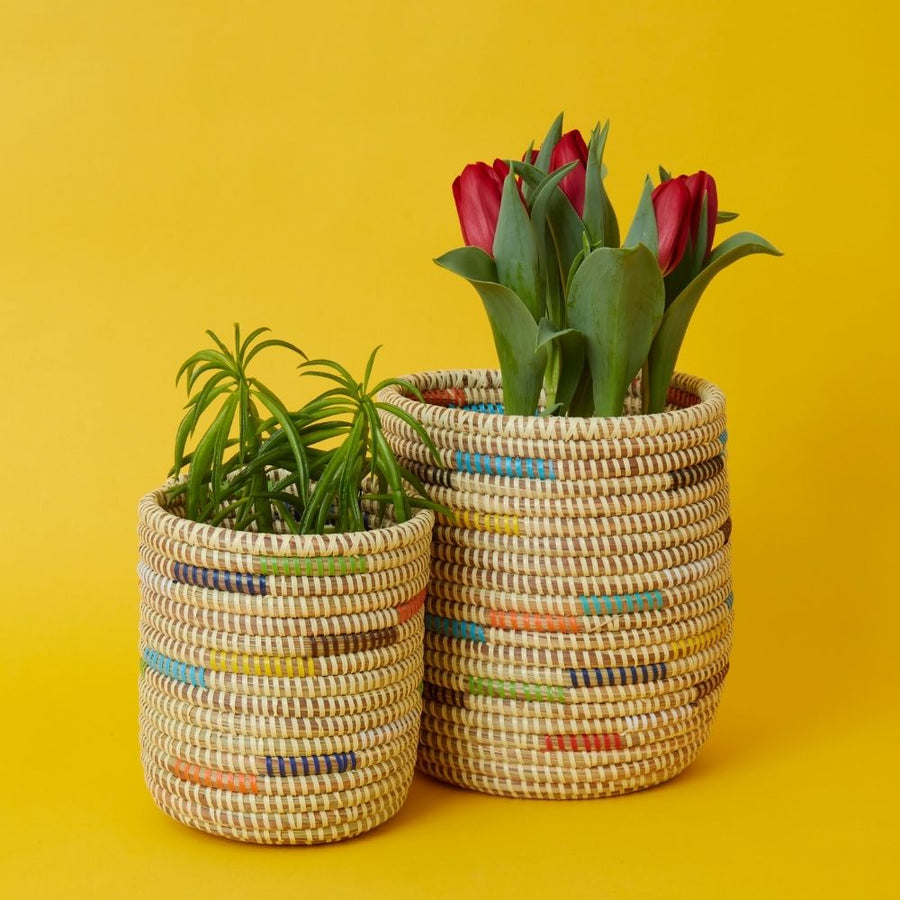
(407, 610)
(445, 397)
(587, 742)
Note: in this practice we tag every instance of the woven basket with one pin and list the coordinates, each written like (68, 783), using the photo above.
(280, 675)
(579, 614)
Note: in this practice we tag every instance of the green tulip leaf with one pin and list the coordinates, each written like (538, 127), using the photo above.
(567, 230)
(550, 141)
(643, 229)
(667, 344)
(471, 263)
(515, 252)
(664, 174)
(514, 328)
(599, 216)
(571, 351)
(546, 207)
(723, 216)
(548, 332)
(532, 177)
(616, 301)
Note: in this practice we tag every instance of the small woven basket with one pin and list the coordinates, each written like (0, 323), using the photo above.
(579, 615)
(280, 675)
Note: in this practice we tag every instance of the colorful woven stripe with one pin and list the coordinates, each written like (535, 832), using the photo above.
(173, 669)
(496, 408)
(510, 466)
(729, 600)
(226, 781)
(264, 666)
(445, 397)
(405, 611)
(313, 565)
(509, 690)
(620, 603)
(723, 437)
(691, 645)
(496, 524)
(533, 622)
(310, 765)
(680, 398)
(610, 741)
(455, 628)
(220, 581)
(619, 675)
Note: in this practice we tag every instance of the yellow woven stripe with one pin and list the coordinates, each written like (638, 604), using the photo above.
(268, 666)
(495, 524)
(695, 643)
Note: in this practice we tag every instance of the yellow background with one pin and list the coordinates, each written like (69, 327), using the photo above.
(166, 167)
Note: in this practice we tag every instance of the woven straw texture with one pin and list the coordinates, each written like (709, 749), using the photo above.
(579, 614)
(280, 687)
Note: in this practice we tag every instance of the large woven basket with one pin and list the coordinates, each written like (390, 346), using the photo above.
(280, 685)
(579, 614)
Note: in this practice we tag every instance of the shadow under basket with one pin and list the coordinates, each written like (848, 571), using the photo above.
(280, 675)
(579, 614)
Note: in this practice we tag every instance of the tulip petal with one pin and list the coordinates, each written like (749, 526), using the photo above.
(672, 205)
(477, 193)
(571, 148)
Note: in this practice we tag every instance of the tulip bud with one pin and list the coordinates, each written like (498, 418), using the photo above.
(477, 192)
(672, 205)
(571, 148)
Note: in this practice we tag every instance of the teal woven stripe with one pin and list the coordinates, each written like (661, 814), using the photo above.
(312, 565)
(729, 600)
(723, 437)
(509, 690)
(455, 628)
(173, 669)
(620, 603)
(508, 466)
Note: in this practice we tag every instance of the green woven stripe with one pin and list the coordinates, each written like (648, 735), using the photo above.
(509, 690)
(312, 565)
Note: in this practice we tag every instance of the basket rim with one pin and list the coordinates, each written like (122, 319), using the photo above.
(153, 512)
(711, 406)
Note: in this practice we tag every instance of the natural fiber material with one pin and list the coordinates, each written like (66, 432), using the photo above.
(579, 613)
(280, 687)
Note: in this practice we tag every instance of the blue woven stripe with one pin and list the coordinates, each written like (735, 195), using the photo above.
(171, 668)
(455, 628)
(619, 675)
(240, 582)
(335, 762)
(485, 407)
(510, 466)
(620, 603)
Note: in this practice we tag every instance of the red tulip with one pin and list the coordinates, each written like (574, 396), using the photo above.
(571, 148)
(699, 184)
(477, 192)
(672, 205)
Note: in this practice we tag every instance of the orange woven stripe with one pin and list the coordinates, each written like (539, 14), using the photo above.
(229, 781)
(407, 610)
(532, 622)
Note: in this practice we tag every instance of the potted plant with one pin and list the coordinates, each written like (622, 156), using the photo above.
(282, 573)
(579, 615)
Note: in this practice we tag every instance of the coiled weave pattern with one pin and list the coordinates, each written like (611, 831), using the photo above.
(579, 614)
(280, 686)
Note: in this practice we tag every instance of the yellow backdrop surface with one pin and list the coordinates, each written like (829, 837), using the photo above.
(168, 167)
